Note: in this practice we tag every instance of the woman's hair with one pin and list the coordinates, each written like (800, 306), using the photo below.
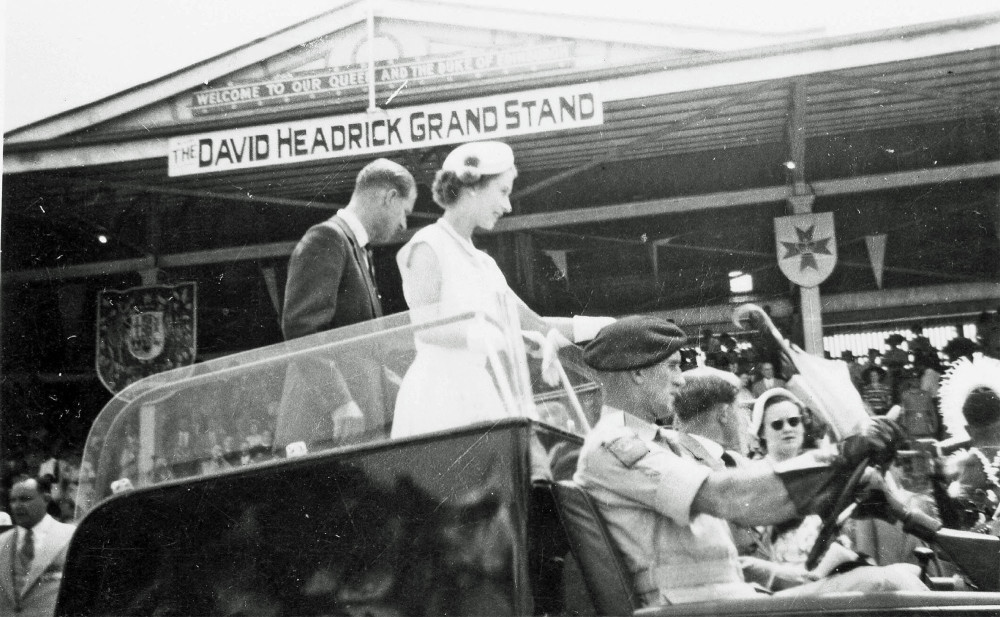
(981, 407)
(448, 185)
(866, 374)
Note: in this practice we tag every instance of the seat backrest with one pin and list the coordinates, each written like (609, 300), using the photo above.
(608, 580)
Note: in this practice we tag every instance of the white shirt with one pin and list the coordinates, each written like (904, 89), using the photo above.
(354, 223)
(712, 447)
(39, 532)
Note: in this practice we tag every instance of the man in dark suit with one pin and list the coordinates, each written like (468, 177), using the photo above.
(331, 284)
(767, 380)
(32, 554)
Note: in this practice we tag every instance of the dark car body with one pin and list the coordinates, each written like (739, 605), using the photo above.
(460, 522)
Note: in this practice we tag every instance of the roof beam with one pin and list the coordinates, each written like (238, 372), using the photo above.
(965, 99)
(548, 219)
(167, 190)
(616, 151)
(848, 302)
(746, 197)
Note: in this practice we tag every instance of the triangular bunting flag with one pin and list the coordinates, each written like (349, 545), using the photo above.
(559, 259)
(876, 253)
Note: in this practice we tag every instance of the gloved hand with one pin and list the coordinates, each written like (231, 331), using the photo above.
(877, 443)
(878, 497)
(547, 351)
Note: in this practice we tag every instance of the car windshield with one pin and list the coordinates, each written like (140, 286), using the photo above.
(330, 390)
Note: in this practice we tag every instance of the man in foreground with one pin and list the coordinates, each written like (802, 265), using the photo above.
(666, 511)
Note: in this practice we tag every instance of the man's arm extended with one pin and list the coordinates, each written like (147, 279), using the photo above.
(752, 495)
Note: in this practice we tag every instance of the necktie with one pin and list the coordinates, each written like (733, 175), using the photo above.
(28, 549)
(728, 459)
(370, 260)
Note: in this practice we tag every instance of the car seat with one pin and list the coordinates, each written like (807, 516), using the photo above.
(604, 572)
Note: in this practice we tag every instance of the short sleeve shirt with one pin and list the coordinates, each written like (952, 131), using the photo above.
(644, 489)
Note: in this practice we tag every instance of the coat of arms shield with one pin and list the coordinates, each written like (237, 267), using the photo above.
(806, 247)
(143, 331)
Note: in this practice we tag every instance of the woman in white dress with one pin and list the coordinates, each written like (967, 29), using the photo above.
(444, 274)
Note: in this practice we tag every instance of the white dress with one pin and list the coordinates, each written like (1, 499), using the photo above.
(451, 386)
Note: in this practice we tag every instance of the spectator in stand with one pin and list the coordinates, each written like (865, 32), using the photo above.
(854, 369)
(894, 361)
(875, 393)
(709, 345)
(161, 470)
(874, 357)
(929, 370)
(216, 463)
(988, 333)
(920, 346)
(919, 417)
(32, 554)
(767, 380)
(766, 348)
(960, 347)
(744, 397)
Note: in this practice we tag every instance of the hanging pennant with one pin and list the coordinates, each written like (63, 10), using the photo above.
(806, 247)
(876, 253)
(559, 259)
(144, 331)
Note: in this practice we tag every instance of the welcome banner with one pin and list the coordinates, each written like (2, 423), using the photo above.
(424, 126)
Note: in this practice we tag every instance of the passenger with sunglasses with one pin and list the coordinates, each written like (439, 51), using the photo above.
(780, 423)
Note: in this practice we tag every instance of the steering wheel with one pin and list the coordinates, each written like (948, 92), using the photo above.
(830, 527)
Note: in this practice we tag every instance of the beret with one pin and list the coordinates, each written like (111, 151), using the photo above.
(475, 159)
(634, 342)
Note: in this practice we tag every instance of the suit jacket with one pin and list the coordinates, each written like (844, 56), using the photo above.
(759, 388)
(38, 596)
(329, 284)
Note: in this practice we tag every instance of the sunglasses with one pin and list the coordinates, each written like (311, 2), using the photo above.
(780, 424)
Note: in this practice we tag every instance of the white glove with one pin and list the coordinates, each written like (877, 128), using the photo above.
(586, 328)
(548, 347)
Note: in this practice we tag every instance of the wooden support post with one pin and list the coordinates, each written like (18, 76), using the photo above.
(523, 251)
(800, 201)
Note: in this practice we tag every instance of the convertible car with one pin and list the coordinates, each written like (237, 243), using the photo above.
(245, 486)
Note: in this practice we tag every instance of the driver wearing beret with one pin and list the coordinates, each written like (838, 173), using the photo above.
(667, 512)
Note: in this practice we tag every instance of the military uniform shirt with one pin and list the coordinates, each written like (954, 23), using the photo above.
(644, 489)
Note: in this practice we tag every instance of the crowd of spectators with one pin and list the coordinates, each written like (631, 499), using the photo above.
(906, 372)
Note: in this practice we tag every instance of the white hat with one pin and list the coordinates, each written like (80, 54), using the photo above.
(473, 160)
(761, 403)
